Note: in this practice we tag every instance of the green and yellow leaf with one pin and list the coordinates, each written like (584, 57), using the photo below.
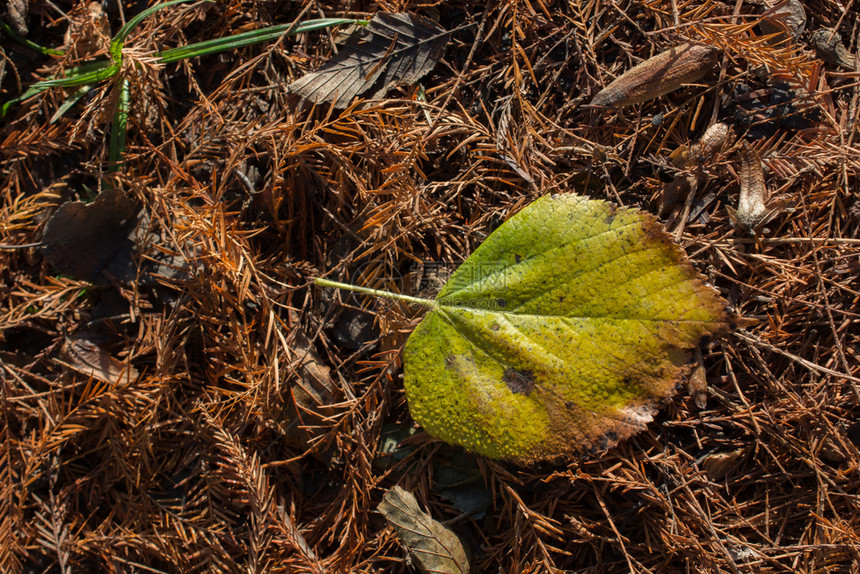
(561, 333)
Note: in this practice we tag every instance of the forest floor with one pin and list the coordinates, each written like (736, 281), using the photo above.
(177, 395)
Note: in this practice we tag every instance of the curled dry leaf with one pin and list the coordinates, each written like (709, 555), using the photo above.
(829, 47)
(754, 209)
(712, 141)
(434, 548)
(392, 49)
(664, 73)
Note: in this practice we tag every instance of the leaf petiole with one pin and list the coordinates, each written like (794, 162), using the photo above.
(387, 294)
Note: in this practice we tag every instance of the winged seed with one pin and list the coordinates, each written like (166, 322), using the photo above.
(664, 73)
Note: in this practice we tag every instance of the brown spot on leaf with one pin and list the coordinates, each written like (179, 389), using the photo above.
(520, 382)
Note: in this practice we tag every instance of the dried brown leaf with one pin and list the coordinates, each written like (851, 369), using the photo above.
(664, 73)
(680, 187)
(86, 357)
(719, 465)
(713, 140)
(435, 548)
(392, 49)
(697, 384)
(311, 393)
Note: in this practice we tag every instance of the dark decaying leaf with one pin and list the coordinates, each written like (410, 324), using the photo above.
(457, 478)
(84, 240)
(311, 393)
(433, 547)
(392, 49)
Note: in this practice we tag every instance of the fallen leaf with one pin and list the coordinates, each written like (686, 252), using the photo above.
(754, 209)
(664, 73)
(88, 240)
(681, 186)
(84, 355)
(311, 393)
(458, 479)
(392, 49)
(561, 333)
(434, 548)
(785, 16)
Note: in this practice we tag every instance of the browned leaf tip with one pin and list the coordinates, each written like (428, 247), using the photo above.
(664, 73)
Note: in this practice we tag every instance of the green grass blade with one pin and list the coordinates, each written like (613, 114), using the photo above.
(118, 41)
(70, 101)
(119, 126)
(83, 75)
(216, 45)
(5, 28)
(91, 73)
(26, 95)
